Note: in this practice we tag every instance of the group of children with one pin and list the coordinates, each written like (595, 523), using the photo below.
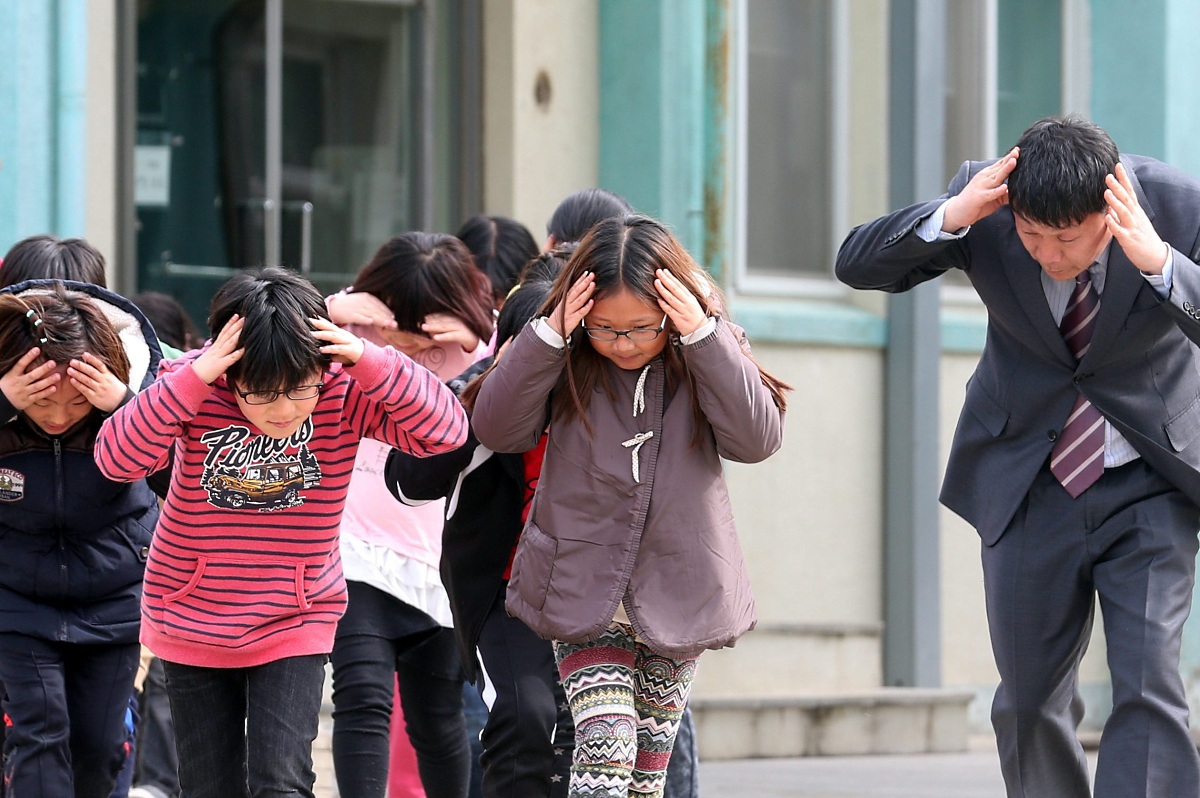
(562, 528)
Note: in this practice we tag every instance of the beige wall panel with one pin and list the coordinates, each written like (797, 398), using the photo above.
(810, 516)
(537, 153)
(100, 208)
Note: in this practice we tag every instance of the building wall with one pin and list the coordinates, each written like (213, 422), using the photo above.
(29, 101)
(537, 153)
(809, 517)
(99, 199)
(58, 144)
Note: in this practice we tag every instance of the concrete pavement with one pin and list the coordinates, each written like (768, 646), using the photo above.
(972, 774)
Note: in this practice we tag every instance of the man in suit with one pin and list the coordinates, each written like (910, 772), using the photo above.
(1077, 455)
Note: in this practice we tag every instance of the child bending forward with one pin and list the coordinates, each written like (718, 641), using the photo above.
(244, 583)
(630, 560)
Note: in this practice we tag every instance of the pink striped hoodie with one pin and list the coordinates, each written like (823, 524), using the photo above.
(244, 568)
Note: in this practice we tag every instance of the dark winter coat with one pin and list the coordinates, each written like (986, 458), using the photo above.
(73, 544)
(485, 493)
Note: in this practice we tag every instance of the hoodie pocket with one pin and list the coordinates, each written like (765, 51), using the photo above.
(233, 602)
(533, 566)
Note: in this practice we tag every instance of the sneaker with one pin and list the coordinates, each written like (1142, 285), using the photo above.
(146, 791)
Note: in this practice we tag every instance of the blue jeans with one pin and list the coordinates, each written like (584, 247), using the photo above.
(129, 749)
(67, 703)
(475, 714)
(246, 732)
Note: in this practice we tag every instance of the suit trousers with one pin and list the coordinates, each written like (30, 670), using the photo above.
(1130, 539)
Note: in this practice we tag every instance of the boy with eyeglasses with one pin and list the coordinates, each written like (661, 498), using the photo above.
(244, 583)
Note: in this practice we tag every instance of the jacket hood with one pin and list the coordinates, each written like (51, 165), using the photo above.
(134, 329)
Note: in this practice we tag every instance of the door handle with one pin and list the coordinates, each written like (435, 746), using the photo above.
(306, 218)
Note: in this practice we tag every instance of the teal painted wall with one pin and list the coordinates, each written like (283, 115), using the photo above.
(1029, 84)
(1129, 72)
(631, 101)
(718, 126)
(27, 185)
(652, 110)
(1182, 100)
(70, 117)
(43, 134)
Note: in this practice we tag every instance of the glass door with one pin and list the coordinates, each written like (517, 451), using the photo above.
(301, 133)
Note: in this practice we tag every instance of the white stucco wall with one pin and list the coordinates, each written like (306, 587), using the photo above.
(100, 196)
(809, 517)
(536, 155)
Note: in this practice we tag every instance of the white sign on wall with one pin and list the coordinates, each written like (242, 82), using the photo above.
(152, 175)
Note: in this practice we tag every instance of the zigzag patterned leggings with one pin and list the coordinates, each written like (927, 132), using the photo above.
(627, 702)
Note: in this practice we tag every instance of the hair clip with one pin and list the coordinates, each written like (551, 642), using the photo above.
(37, 322)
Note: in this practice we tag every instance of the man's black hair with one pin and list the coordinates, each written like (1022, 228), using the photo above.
(1059, 177)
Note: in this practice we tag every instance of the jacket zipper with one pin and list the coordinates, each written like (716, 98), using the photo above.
(58, 528)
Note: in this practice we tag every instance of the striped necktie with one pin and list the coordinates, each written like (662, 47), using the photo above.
(1077, 459)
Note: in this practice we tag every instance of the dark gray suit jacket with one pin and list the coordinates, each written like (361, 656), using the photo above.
(1142, 371)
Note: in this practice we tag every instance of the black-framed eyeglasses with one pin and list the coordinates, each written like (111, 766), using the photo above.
(642, 334)
(297, 394)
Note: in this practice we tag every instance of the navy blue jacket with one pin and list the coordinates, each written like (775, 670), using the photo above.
(73, 544)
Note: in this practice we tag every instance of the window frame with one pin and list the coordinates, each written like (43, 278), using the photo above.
(806, 284)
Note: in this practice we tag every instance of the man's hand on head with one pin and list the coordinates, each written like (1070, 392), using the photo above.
(1130, 225)
(982, 196)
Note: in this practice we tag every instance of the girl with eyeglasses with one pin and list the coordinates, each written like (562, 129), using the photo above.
(244, 585)
(629, 560)
(74, 541)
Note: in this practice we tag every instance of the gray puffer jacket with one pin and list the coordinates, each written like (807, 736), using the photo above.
(659, 537)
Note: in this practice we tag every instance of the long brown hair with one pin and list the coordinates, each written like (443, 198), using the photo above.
(69, 321)
(623, 254)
